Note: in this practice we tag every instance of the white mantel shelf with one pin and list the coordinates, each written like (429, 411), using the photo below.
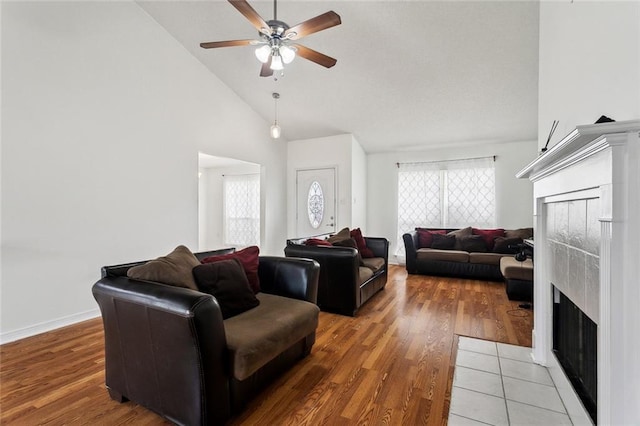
(599, 163)
(581, 142)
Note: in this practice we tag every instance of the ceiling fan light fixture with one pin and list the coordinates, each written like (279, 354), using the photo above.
(263, 52)
(276, 63)
(287, 53)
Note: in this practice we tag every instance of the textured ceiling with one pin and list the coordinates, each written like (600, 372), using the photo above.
(410, 74)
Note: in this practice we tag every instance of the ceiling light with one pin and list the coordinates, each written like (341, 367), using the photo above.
(275, 131)
(263, 52)
(287, 53)
(276, 62)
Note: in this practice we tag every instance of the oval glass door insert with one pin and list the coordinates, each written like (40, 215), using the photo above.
(315, 204)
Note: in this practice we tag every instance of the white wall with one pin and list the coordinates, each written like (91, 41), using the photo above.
(358, 187)
(103, 115)
(514, 206)
(589, 64)
(332, 151)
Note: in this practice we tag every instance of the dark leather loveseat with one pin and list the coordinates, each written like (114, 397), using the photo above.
(168, 348)
(345, 283)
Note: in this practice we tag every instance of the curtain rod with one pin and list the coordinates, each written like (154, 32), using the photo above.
(493, 157)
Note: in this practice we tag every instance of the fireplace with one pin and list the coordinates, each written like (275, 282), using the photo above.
(586, 228)
(575, 345)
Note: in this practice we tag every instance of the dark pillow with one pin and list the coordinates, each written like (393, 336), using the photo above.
(463, 232)
(249, 258)
(365, 251)
(350, 242)
(473, 244)
(425, 237)
(489, 235)
(173, 269)
(342, 235)
(523, 233)
(443, 242)
(226, 281)
(502, 245)
(317, 242)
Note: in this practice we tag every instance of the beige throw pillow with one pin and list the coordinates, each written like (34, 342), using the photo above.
(344, 234)
(173, 269)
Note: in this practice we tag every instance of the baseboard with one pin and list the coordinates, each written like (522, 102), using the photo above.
(43, 327)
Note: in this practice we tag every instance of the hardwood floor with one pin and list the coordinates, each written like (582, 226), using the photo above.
(391, 364)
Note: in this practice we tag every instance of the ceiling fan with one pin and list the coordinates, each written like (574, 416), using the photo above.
(276, 45)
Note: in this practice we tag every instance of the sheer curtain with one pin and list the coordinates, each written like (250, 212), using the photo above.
(241, 210)
(445, 194)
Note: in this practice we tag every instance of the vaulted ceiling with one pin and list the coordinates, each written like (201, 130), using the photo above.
(410, 74)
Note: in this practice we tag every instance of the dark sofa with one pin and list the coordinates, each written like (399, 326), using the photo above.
(345, 283)
(168, 348)
(456, 262)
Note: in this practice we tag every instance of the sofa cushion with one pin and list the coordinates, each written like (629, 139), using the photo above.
(364, 274)
(512, 269)
(473, 243)
(343, 234)
(489, 235)
(365, 251)
(486, 258)
(257, 336)
(443, 242)
(425, 236)
(228, 283)
(523, 233)
(373, 263)
(463, 232)
(250, 259)
(426, 254)
(506, 245)
(316, 242)
(173, 269)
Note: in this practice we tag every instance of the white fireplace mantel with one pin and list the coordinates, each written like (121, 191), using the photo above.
(595, 165)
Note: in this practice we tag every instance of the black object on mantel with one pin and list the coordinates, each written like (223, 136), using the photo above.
(553, 129)
(604, 119)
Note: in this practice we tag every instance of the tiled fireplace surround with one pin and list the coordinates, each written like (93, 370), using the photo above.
(587, 238)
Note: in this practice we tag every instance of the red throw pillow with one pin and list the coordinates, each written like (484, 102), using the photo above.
(249, 259)
(317, 242)
(365, 251)
(489, 235)
(425, 238)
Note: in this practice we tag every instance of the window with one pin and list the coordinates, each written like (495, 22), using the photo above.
(315, 204)
(448, 194)
(242, 210)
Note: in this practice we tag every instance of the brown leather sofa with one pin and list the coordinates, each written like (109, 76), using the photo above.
(345, 283)
(168, 348)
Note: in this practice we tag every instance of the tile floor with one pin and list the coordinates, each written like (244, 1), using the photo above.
(498, 384)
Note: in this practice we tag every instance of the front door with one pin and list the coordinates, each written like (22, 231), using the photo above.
(315, 202)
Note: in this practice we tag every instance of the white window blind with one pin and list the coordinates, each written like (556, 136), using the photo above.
(242, 210)
(447, 194)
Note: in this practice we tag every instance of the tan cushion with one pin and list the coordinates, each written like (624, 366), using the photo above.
(260, 334)
(426, 254)
(523, 233)
(344, 234)
(513, 270)
(373, 263)
(487, 258)
(364, 274)
(173, 269)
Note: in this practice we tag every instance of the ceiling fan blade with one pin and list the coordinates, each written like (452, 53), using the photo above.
(249, 12)
(266, 70)
(314, 56)
(228, 43)
(313, 25)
